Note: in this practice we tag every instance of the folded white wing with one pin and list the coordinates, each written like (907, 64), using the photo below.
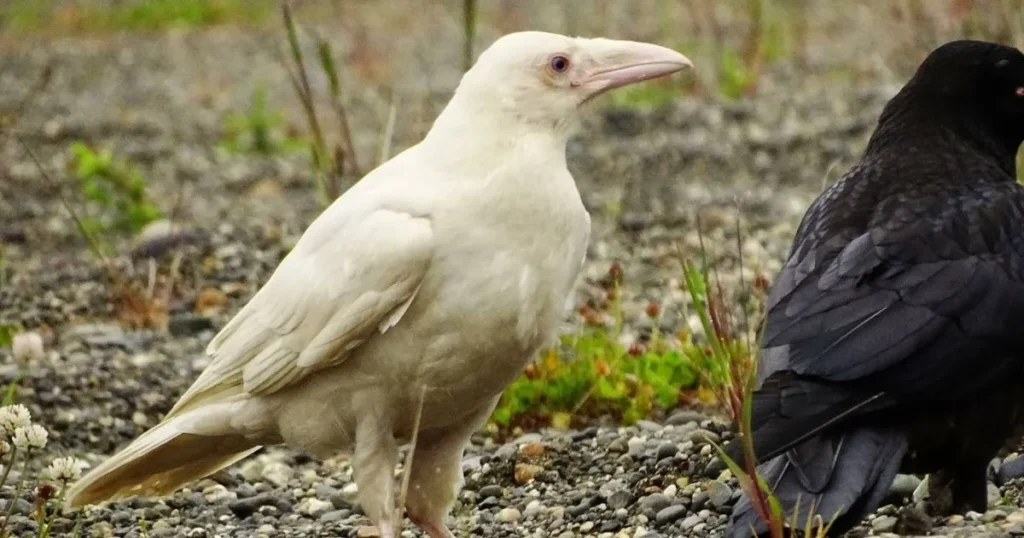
(342, 282)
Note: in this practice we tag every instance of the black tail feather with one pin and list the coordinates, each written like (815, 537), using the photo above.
(840, 478)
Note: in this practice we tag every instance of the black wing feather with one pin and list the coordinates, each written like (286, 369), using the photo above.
(901, 309)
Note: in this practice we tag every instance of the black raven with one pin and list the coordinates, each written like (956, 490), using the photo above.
(894, 336)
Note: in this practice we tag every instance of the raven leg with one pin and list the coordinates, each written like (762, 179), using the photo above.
(436, 474)
(373, 465)
(970, 487)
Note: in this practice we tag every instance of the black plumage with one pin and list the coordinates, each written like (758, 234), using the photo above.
(894, 337)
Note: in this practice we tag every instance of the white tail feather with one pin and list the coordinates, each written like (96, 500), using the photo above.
(162, 460)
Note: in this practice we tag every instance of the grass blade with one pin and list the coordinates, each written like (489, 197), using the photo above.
(468, 32)
(330, 69)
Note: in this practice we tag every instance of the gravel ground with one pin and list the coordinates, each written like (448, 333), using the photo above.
(742, 172)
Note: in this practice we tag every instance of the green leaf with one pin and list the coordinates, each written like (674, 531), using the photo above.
(605, 389)
(7, 333)
(502, 415)
(11, 394)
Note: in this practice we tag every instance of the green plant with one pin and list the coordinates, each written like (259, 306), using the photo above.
(159, 14)
(729, 368)
(146, 15)
(651, 94)
(258, 130)
(592, 373)
(7, 332)
(468, 32)
(20, 440)
(133, 307)
(328, 166)
(19, 437)
(735, 78)
(23, 15)
(115, 188)
(10, 392)
(767, 40)
(1020, 166)
(3, 266)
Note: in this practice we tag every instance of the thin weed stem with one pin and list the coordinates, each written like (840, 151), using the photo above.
(406, 476)
(17, 492)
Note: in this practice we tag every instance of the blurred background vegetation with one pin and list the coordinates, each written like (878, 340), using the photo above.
(737, 45)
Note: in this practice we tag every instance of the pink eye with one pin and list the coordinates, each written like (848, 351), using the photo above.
(560, 64)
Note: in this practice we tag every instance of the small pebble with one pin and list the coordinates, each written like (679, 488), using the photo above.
(507, 515)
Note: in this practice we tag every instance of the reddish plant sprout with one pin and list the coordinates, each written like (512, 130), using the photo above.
(653, 310)
(761, 283)
(45, 492)
(719, 315)
(741, 376)
(614, 277)
(590, 316)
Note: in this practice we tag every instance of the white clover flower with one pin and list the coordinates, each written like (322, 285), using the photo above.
(27, 347)
(67, 469)
(13, 417)
(31, 436)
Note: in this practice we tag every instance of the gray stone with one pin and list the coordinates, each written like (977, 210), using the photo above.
(904, 485)
(471, 464)
(618, 446)
(528, 438)
(884, 524)
(648, 425)
(690, 522)
(685, 416)
(506, 451)
(313, 507)
(670, 514)
(666, 450)
(702, 437)
(619, 499)
(719, 494)
(921, 491)
(278, 474)
(244, 508)
(607, 488)
(507, 515)
(993, 494)
(655, 501)
(700, 499)
(188, 324)
(913, 522)
(491, 490)
(335, 515)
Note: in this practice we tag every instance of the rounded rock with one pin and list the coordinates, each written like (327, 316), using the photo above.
(507, 515)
